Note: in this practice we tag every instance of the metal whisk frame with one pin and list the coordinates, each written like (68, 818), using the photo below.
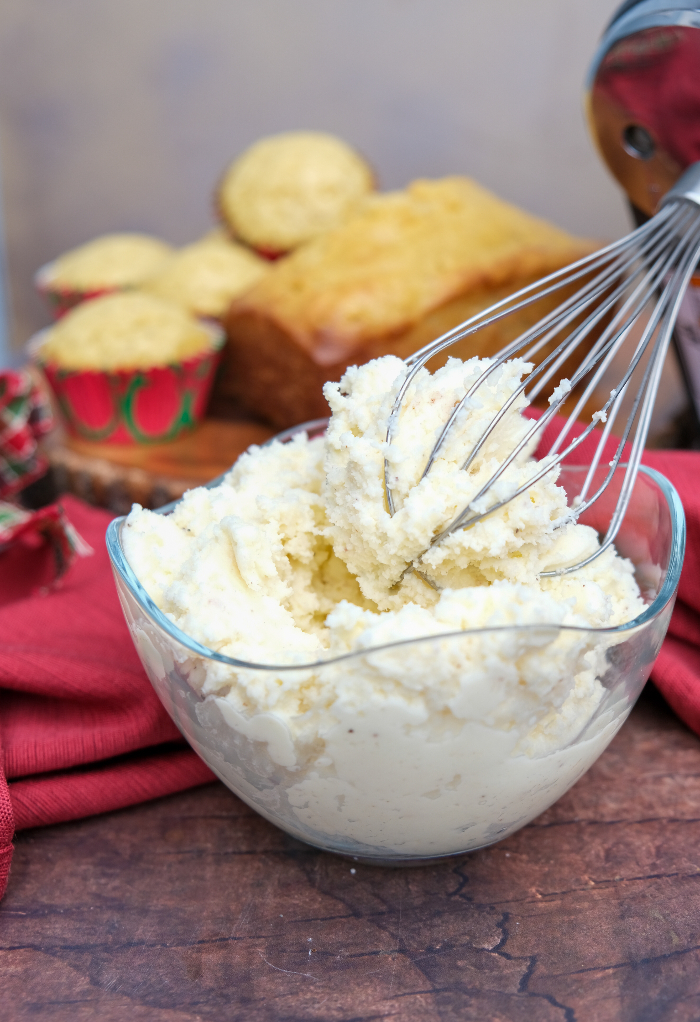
(652, 264)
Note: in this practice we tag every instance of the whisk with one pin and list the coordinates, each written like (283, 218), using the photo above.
(643, 275)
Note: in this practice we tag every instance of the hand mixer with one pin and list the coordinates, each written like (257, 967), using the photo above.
(644, 111)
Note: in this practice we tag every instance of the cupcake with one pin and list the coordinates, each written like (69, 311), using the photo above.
(113, 262)
(289, 188)
(206, 276)
(129, 368)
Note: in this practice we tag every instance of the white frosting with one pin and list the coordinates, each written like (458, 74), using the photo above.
(417, 749)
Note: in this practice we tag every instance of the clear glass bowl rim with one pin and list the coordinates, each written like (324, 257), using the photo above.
(668, 588)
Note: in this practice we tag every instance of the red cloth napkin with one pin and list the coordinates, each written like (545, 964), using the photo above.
(81, 729)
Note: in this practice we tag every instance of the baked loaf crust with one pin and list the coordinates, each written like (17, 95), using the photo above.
(408, 267)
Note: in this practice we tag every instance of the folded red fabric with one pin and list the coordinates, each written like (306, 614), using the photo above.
(81, 729)
(74, 699)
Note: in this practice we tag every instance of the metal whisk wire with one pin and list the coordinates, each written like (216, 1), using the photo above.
(655, 261)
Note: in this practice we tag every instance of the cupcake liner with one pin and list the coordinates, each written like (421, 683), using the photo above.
(62, 299)
(133, 406)
(268, 253)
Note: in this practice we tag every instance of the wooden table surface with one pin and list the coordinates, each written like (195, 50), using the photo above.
(194, 908)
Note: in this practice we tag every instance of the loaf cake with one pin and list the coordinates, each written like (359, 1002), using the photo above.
(406, 268)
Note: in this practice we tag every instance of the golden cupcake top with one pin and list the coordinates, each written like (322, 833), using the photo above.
(289, 188)
(206, 276)
(124, 331)
(113, 260)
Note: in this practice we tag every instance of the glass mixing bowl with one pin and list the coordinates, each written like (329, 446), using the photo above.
(378, 778)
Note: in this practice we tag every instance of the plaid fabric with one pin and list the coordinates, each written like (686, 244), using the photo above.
(25, 415)
(47, 525)
(12, 518)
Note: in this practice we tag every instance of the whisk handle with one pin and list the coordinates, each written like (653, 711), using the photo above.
(686, 187)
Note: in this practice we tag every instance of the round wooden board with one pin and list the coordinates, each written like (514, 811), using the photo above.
(116, 476)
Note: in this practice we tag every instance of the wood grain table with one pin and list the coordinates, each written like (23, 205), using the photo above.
(194, 908)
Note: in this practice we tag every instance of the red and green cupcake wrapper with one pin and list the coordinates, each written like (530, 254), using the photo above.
(133, 406)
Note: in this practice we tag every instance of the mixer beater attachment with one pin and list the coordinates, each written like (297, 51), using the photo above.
(645, 273)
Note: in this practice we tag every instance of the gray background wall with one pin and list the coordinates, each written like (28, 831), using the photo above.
(121, 114)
